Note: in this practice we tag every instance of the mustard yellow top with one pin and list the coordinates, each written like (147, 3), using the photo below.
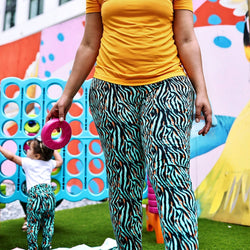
(137, 46)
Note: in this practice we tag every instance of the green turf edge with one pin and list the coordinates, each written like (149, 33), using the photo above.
(91, 225)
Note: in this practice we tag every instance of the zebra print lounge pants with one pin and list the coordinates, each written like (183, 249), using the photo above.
(147, 128)
(40, 213)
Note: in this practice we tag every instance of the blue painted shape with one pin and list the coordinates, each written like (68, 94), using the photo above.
(43, 59)
(51, 57)
(47, 73)
(240, 26)
(216, 136)
(214, 20)
(60, 37)
(194, 18)
(222, 41)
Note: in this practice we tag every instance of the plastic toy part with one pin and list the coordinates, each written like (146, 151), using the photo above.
(48, 129)
(32, 127)
(153, 224)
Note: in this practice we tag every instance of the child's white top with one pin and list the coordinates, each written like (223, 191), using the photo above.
(37, 171)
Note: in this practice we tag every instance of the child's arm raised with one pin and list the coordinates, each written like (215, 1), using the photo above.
(58, 159)
(11, 156)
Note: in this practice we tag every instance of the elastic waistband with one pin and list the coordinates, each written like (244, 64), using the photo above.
(39, 187)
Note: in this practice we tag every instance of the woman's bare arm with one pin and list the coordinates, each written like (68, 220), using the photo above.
(84, 61)
(190, 56)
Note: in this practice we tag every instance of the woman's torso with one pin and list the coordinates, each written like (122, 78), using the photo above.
(137, 46)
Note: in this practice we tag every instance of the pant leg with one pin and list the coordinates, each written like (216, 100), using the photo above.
(48, 227)
(33, 221)
(167, 119)
(116, 119)
(40, 212)
(48, 215)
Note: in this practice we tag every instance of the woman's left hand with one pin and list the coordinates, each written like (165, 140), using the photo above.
(203, 108)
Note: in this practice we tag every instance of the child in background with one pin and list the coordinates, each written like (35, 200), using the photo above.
(38, 166)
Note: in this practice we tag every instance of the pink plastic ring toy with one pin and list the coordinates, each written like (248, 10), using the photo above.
(48, 129)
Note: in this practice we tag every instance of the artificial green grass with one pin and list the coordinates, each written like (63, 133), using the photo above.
(91, 225)
(218, 235)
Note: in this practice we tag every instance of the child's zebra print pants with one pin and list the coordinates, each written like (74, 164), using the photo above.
(40, 213)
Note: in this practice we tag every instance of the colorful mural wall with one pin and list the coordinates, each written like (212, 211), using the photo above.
(220, 168)
(221, 175)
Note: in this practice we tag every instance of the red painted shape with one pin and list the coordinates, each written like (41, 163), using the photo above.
(214, 8)
(18, 55)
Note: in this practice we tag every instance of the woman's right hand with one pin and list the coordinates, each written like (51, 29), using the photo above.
(60, 108)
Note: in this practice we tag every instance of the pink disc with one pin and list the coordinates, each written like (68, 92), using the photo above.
(152, 203)
(49, 127)
(150, 190)
(151, 196)
(153, 210)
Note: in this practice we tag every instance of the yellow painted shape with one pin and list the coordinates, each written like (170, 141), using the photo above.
(224, 194)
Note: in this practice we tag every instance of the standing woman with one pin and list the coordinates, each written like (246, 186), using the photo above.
(148, 68)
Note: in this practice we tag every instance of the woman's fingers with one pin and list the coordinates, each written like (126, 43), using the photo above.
(64, 105)
(53, 113)
(208, 121)
(60, 109)
(61, 114)
(203, 111)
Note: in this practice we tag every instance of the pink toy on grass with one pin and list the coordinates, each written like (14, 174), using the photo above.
(49, 127)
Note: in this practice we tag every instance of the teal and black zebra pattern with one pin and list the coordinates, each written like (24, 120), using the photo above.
(147, 128)
(40, 213)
